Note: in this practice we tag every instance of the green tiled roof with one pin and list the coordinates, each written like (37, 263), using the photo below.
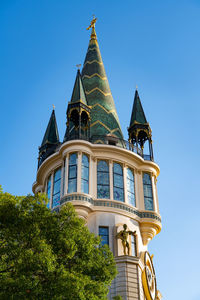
(104, 118)
(137, 112)
(78, 93)
(51, 134)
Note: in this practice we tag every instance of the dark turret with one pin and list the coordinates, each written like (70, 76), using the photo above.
(78, 113)
(139, 130)
(50, 141)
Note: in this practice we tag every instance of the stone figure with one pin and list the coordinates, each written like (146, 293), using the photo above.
(123, 236)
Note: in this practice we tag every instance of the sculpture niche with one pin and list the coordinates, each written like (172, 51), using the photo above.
(123, 236)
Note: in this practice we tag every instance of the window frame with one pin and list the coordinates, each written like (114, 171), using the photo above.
(104, 227)
(108, 174)
(127, 191)
(151, 185)
(72, 178)
(82, 178)
(116, 187)
(53, 185)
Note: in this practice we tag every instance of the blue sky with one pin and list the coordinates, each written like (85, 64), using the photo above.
(152, 44)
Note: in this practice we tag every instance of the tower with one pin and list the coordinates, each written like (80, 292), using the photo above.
(111, 182)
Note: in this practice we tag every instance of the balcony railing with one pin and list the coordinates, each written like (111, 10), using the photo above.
(114, 141)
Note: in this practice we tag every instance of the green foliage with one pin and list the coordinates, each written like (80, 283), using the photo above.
(48, 255)
(117, 298)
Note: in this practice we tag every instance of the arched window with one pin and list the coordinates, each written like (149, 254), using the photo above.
(148, 195)
(118, 182)
(130, 187)
(85, 174)
(72, 175)
(49, 191)
(103, 185)
(56, 187)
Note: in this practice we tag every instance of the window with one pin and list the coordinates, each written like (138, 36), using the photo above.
(56, 188)
(118, 182)
(85, 174)
(133, 245)
(104, 234)
(72, 176)
(103, 185)
(130, 187)
(49, 191)
(148, 195)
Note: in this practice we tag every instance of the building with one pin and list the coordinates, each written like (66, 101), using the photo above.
(111, 182)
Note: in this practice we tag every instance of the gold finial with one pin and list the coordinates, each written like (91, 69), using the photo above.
(92, 24)
(78, 66)
(53, 107)
(136, 87)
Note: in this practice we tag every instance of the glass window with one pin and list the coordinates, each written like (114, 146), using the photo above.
(118, 182)
(148, 195)
(72, 175)
(103, 183)
(49, 191)
(56, 187)
(130, 187)
(104, 234)
(133, 245)
(85, 174)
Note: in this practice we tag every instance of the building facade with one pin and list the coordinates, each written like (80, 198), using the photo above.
(110, 181)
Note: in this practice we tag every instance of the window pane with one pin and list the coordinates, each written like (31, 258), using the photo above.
(103, 183)
(103, 178)
(148, 195)
(85, 161)
(56, 187)
(130, 185)
(118, 169)
(85, 186)
(56, 200)
(72, 172)
(103, 191)
(72, 159)
(133, 245)
(85, 172)
(104, 234)
(131, 198)
(118, 194)
(118, 181)
(102, 166)
(57, 175)
(72, 185)
(148, 203)
(130, 174)
(146, 178)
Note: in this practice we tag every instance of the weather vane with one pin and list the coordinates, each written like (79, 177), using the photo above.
(92, 24)
(53, 107)
(78, 66)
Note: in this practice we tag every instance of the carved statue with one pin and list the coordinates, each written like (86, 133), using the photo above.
(123, 236)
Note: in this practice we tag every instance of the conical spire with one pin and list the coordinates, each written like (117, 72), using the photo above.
(78, 93)
(50, 140)
(104, 118)
(137, 112)
(51, 134)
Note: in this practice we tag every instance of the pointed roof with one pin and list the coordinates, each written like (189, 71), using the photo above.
(78, 94)
(137, 112)
(104, 118)
(51, 134)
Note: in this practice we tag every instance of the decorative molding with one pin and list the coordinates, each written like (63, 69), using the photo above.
(97, 89)
(110, 203)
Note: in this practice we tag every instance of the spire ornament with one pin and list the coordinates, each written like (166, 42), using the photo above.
(92, 25)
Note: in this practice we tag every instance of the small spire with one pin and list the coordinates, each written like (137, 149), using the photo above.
(51, 134)
(78, 93)
(92, 25)
(137, 112)
(53, 107)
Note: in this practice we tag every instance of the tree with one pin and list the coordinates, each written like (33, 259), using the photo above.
(48, 255)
